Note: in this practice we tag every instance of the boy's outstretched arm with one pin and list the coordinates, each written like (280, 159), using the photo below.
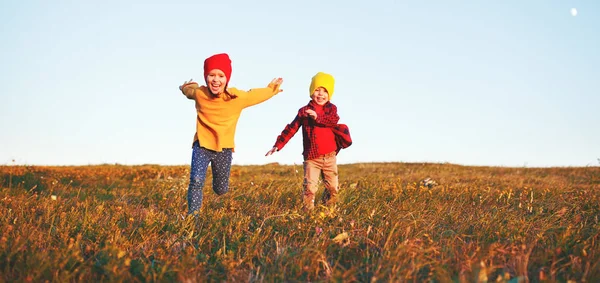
(258, 95)
(273, 150)
(288, 132)
(330, 118)
(188, 88)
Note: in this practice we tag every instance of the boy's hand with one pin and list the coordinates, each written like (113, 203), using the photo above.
(273, 150)
(312, 113)
(275, 84)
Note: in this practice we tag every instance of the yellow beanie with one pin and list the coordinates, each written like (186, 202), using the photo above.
(322, 80)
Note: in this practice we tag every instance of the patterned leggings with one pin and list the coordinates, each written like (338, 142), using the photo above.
(221, 167)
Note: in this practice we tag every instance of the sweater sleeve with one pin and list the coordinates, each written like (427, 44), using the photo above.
(288, 132)
(329, 118)
(253, 96)
(189, 90)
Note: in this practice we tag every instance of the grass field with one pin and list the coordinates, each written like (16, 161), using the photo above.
(117, 223)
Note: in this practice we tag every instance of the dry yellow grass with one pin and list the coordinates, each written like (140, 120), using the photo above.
(124, 223)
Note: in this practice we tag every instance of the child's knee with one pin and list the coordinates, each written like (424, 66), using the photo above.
(196, 183)
(332, 186)
(310, 184)
(221, 185)
(221, 189)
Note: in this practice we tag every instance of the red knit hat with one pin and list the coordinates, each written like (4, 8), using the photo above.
(218, 61)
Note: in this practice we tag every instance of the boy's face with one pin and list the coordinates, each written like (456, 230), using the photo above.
(216, 81)
(320, 96)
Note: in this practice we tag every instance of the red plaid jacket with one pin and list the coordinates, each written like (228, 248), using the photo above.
(329, 118)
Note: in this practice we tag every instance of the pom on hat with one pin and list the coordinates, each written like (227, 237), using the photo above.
(322, 80)
(218, 61)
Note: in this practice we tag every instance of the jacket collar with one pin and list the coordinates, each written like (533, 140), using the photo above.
(311, 104)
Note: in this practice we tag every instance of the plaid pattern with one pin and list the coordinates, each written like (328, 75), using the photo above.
(329, 118)
(342, 136)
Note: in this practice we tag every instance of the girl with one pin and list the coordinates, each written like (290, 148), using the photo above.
(218, 110)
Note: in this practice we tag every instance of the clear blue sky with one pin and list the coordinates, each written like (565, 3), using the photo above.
(500, 83)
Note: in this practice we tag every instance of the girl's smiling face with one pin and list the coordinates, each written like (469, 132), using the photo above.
(216, 81)
(320, 96)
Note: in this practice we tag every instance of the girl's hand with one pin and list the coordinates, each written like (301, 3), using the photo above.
(275, 84)
(186, 83)
(312, 113)
(273, 150)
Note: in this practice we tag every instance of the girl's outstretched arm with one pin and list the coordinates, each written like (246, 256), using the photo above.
(188, 89)
(258, 95)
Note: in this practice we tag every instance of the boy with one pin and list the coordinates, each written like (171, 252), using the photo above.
(322, 137)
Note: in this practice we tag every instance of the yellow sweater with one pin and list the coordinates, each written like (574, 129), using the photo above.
(217, 118)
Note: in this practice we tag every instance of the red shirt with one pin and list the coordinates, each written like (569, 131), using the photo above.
(323, 135)
(318, 135)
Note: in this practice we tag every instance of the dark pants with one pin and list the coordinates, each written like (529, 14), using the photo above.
(221, 166)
